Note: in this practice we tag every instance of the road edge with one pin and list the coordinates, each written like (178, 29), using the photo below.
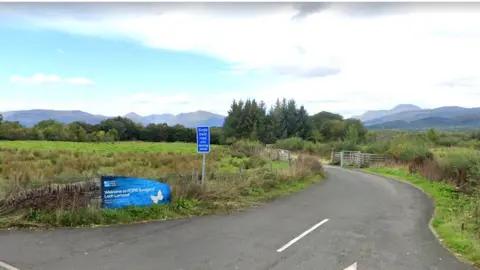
(430, 226)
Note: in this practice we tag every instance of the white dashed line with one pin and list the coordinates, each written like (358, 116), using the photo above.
(352, 267)
(302, 235)
(7, 266)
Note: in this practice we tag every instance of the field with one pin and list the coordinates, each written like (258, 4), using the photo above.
(237, 176)
(117, 147)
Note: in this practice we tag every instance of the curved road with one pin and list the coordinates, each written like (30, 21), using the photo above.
(350, 221)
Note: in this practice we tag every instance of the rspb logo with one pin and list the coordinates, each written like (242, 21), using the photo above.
(110, 184)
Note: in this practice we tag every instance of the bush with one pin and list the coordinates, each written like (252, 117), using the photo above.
(345, 146)
(447, 141)
(407, 148)
(454, 160)
(300, 145)
(256, 162)
(244, 148)
(294, 143)
(380, 147)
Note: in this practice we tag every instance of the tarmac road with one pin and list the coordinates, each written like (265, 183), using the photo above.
(350, 221)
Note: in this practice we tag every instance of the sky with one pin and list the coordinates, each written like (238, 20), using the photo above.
(153, 58)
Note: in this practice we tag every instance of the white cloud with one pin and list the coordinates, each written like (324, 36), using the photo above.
(372, 62)
(40, 78)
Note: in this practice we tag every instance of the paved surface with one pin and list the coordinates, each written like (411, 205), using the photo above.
(377, 223)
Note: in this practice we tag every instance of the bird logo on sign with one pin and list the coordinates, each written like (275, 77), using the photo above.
(159, 197)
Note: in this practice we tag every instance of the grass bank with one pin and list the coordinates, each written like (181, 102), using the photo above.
(238, 176)
(193, 200)
(457, 216)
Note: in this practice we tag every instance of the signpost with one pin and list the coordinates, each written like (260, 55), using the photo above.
(203, 146)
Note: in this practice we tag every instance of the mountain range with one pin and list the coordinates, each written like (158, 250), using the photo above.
(192, 119)
(411, 117)
(403, 116)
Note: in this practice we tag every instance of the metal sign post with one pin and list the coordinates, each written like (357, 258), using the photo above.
(203, 146)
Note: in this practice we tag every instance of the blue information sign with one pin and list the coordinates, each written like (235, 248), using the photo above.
(203, 139)
(120, 191)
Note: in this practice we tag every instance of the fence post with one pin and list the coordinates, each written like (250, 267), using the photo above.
(341, 159)
(196, 174)
(289, 159)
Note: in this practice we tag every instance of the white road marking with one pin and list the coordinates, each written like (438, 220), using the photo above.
(7, 266)
(302, 235)
(352, 267)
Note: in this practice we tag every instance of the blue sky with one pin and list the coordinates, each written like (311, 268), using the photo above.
(112, 59)
(117, 67)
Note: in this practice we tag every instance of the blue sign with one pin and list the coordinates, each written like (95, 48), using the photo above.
(203, 139)
(120, 191)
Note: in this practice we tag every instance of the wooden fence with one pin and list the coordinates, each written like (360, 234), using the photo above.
(356, 158)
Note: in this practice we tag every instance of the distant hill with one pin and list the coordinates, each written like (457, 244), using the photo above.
(409, 116)
(457, 123)
(370, 115)
(191, 119)
(30, 117)
(451, 117)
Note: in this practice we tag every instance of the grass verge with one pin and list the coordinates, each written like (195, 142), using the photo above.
(179, 208)
(105, 148)
(456, 215)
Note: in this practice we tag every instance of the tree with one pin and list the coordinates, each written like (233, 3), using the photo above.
(361, 130)
(100, 136)
(112, 135)
(432, 135)
(127, 129)
(304, 125)
(320, 118)
(351, 135)
(52, 130)
(76, 132)
(232, 121)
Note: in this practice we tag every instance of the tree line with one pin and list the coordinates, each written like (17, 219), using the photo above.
(245, 120)
(285, 119)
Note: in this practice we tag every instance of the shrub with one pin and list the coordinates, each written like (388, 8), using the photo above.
(293, 143)
(447, 141)
(453, 160)
(408, 148)
(256, 162)
(300, 145)
(243, 148)
(380, 147)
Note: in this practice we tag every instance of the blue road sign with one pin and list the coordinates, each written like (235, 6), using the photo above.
(203, 139)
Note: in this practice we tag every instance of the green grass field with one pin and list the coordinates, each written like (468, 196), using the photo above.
(117, 147)
(236, 179)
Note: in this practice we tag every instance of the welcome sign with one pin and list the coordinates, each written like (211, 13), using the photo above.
(121, 191)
